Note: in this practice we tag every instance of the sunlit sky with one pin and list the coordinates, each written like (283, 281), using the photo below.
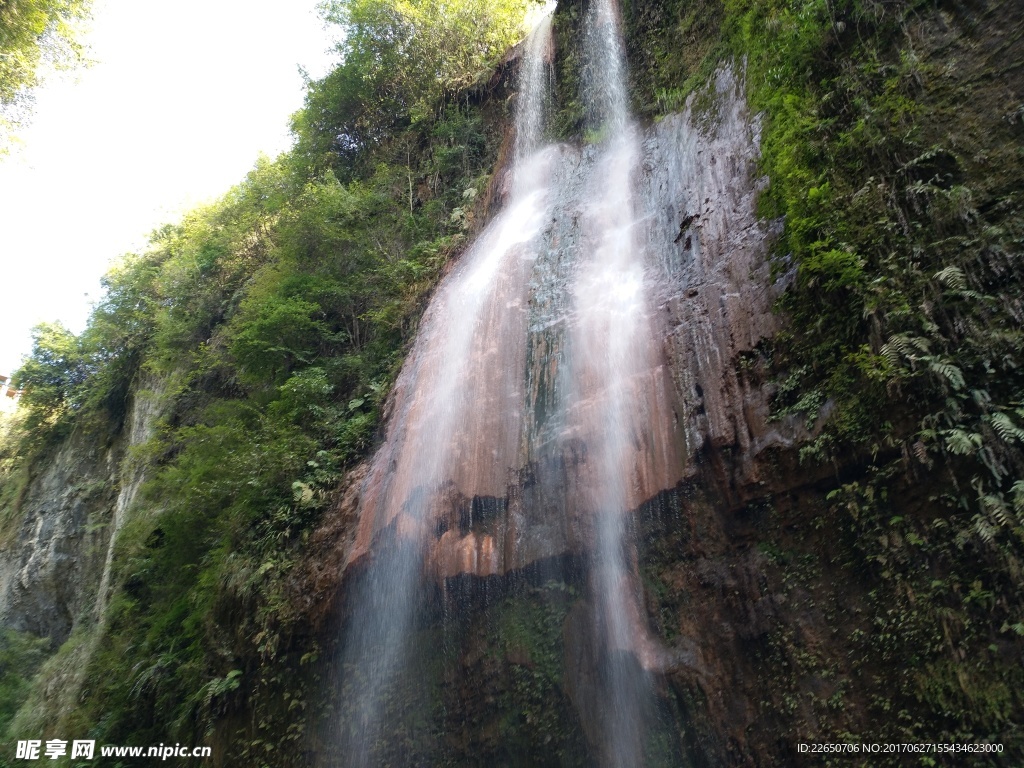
(181, 99)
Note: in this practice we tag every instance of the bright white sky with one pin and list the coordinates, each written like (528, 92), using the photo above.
(182, 98)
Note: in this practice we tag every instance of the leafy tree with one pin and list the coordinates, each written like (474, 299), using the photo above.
(53, 375)
(68, 374)
(33, 32)
(403, 61)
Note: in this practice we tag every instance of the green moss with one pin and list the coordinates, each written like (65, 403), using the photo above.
(674, 48)
(527, 634)
(509, 668)
(21, 655)
(570, 114)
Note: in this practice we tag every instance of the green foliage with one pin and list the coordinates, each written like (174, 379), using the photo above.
(677, 50)
(510, 661)
(944, 618)
(84, 378)
(21, 654)
(14, 473)
(567, 27)
(529, 630)
(418, 52)
(34, 32)
(52, 377)
(403, 61)
(901, 235)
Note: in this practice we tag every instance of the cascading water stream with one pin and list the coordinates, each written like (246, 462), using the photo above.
(455, 430)
(613, 359)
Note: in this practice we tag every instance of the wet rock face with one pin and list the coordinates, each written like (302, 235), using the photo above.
(759, 654)
(519, 486)
(716, 292)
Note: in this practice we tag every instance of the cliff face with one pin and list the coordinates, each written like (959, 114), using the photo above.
(512, 554)
(55, 572)
(51, 570)
(701, 188)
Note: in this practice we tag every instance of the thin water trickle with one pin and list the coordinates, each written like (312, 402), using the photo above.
(531, 111)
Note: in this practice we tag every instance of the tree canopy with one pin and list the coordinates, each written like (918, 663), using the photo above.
(403, 62)
(33, 32)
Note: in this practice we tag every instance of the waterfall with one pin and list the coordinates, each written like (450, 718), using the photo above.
(455, 431)
(615, 364)
(536, 357)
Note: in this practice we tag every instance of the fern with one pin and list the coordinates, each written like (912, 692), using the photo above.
(929, 154)
(949, 372)
(984, 529)
(1018, 496)
(993, 462)
(962, 443)
(1005, 428)
(997, 510)
(981, 397)
(902, 345)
